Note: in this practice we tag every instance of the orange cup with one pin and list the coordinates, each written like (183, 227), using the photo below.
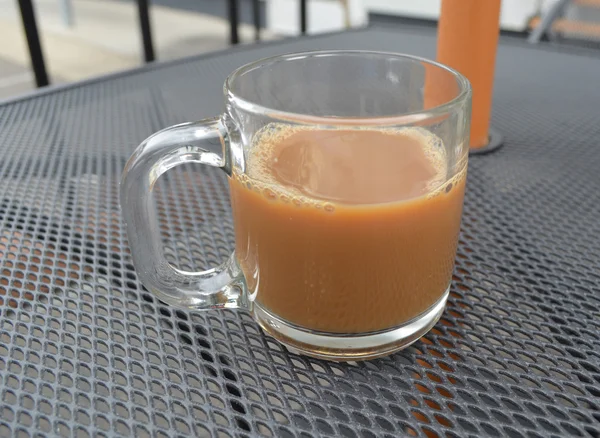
(468, 33)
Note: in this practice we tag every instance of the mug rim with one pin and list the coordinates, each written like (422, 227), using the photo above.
(410, 117)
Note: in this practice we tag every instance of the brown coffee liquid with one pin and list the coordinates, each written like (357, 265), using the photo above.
(346, 231)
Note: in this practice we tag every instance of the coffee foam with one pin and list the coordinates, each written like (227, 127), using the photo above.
(259, 177)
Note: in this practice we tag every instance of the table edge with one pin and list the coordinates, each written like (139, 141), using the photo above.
(155, 65)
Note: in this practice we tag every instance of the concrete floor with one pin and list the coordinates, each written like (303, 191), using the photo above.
(216, 8)
(105, 38)
(14, 79)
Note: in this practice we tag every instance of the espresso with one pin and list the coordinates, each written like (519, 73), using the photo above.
(346, 230)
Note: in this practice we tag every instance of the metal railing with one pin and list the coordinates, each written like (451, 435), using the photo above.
(33, 42)
(37, 57)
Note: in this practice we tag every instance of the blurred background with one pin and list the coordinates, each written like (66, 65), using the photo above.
(81, 39)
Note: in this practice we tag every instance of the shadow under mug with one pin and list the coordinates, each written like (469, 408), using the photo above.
(382, 282)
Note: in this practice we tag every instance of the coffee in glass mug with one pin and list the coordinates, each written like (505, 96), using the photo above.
(347, 175)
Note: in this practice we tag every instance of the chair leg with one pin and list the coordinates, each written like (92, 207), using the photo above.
(232, 11)
(144, 17)
(256, 16)
(548, 18)
(66, 11)
(303, 23)
(33, 42)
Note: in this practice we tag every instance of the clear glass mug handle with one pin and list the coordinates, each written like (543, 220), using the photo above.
(220, 287)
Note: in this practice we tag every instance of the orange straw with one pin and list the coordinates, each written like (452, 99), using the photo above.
(467, 41)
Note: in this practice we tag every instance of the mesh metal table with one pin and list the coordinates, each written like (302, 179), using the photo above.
(86, 351)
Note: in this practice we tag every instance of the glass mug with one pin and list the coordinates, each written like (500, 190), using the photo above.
(347, 173)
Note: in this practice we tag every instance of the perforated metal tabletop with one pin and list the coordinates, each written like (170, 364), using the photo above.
(86, 351)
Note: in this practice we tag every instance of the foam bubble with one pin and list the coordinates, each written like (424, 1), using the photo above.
(270, 193)
(329, 207)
